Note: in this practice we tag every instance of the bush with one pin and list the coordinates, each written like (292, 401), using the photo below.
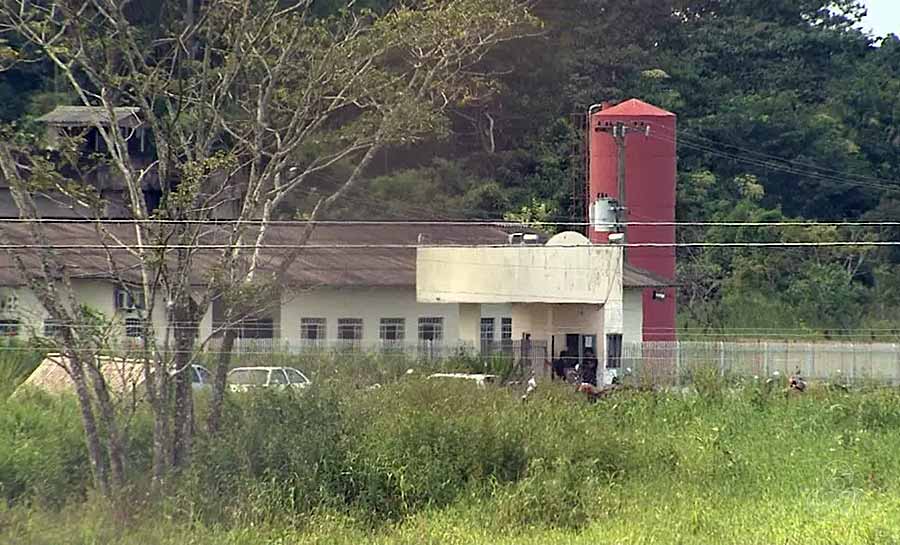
(279, 453)
(43, 458)
(557, 494)
(422, 444)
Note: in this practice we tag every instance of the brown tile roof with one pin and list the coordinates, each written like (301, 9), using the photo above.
(335, 267)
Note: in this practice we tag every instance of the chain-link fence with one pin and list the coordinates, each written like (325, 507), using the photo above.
(675, 362)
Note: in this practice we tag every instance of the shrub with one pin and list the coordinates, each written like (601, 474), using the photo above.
(279, 453)
(422, 444)
(43, 458)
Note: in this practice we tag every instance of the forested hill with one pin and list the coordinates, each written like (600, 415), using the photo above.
(786, 111)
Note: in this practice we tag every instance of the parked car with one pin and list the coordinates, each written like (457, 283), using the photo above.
(200, 378)
(479, 379)
(243, 378)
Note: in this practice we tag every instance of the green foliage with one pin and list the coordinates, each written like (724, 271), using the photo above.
(42, 454)
(414, 462)
(17, 361)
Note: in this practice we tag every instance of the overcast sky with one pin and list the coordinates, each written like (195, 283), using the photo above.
(884, 17)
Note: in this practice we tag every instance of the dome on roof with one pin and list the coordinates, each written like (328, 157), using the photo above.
(568, 238)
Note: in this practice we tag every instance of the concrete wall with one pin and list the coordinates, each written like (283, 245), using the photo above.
(519, 274)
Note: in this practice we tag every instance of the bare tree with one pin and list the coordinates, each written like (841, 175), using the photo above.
(247, 102)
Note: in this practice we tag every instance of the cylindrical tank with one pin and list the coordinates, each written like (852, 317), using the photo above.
(650, 163)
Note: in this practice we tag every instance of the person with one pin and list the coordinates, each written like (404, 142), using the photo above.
(559, 366)
(589, 368)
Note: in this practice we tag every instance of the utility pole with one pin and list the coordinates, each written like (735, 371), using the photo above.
(619, 132)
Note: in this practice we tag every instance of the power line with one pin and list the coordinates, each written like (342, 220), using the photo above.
(453, 223)
(777, 166)
(684, 134)
(266, 246)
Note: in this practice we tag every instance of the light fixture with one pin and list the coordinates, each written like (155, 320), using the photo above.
(659, 295)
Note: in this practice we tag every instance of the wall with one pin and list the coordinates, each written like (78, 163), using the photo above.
(371, 305)
(519, 274)
(632, 331)
(95, 294)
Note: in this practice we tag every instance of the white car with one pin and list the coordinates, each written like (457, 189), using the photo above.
(479, 379)
(241, 379)
(200, 377)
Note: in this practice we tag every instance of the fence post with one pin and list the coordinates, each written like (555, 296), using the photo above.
(897, 356)
(678, 363)
(722, 358)
(766, 359)
(812, 361)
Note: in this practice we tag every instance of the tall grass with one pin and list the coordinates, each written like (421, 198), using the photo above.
(418, 461)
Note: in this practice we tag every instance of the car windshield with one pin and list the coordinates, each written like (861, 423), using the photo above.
(249, 376)
(295, 376)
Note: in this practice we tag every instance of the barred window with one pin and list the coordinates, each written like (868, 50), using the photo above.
(487, 332)
(506, 329)
(431, 329)
(392, 331)
(313, 331)
(9, 327)
(52, 327)
(350, 331)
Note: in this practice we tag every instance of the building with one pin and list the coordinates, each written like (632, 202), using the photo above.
(403, 286)
(423, 287)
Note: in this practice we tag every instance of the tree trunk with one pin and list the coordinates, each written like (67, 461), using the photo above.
(223, 362)
(183, 426)
(108, 417)
(88, 419)
(160, 406)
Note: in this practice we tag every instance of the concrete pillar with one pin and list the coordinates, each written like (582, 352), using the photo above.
(470, 325)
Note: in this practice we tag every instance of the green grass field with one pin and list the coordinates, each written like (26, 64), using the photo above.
(416, 463)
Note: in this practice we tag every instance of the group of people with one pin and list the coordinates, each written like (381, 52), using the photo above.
(568, 362)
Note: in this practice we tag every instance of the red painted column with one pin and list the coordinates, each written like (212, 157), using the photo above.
(650, 169)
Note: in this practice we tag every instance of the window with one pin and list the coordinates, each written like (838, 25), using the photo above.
(312, 331)
(277, 376)
(350, 331)
(295, 376)
(52, 328)
(9, 327)
(129, 299)
(487, 334)
(255, 377)
(506, 329)
(506, 343)
(201, 375)
(431, 333)
(392, 331)
(257, 328)
(431, 329)
(134, 327)
(613, 351)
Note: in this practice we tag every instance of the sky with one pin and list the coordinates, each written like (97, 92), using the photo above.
(883, 17)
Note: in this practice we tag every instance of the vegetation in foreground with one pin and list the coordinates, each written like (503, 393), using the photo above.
(420, 461)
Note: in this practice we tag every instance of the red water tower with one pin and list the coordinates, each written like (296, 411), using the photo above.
(647, 134)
